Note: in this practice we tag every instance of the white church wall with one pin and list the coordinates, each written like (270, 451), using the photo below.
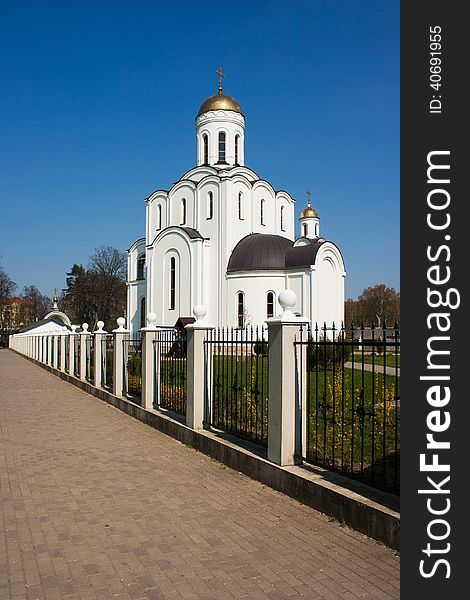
(297, 283)
(328, 286)
(262, 191)
(184, 191)
(156, 220)
(255, 287)
(173, 243)
(206, 226)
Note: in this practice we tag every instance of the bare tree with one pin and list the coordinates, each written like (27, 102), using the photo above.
(39, 303)
(98, 292)
(7, 285)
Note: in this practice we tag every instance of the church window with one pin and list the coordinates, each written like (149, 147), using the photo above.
(205, 144)
(305, 229)
(210, 205)
(221, 146)
(237, 137)
(172, 282)
(283, 227)
(240, 206)
(183, 211)
(140, 266)
(240, 309)
(262, 213)
(159, 216)
(270, 304)
(142, 312)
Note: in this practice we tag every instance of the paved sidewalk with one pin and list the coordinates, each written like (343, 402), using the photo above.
(96, 505)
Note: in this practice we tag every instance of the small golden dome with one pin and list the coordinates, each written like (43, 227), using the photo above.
(220, 102)
(309, 212)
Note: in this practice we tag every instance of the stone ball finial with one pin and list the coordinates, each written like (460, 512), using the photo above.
(199, 311)
(99, 325)
(121, 321)
(151, 320)
(74, 328)
(287, 299)
(85, 327)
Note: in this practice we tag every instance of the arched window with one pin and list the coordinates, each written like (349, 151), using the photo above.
(159, 216)
(240, 206)
(221, 146)
(262, 213)
(283, 228)
(172, 282)
(305, 229)
(240, 309)
(205, 148)
(316, 229)
(210, 205)
(140, 266)
(183, 211)
(237, 137)
(142, 313)
(270, 304)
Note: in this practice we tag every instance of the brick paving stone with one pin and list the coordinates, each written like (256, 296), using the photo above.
(95, 505)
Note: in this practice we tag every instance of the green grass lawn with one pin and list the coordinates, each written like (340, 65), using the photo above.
(378, 359)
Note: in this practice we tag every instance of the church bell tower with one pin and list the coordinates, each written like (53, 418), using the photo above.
(220, 131)
(309, 221)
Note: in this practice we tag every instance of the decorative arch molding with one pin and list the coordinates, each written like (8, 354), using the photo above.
(57, 314)
(328, 251)
(180, 231)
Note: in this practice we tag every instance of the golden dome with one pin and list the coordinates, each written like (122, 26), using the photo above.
(308, 213)
(220, 102)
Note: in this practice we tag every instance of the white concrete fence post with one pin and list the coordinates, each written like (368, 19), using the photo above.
(84, 350)
(148, 361)
(98, 357)
(55, 355)
(196, 334)
(119, 359)
(63, 347)
(44, 349)
(284, 415)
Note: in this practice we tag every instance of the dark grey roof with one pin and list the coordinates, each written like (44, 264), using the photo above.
(192, 233)
(41, 322)
(259, 251)
(303, 256)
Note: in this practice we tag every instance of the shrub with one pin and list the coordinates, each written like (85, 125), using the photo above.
(329, 354)
(260, 348)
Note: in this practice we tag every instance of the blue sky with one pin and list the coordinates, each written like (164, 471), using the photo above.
(97, 108)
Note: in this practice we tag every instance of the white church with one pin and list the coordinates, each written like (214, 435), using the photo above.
(225, 238)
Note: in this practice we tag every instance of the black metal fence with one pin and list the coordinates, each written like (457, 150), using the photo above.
(132, 382)
(350, 398)
(107, 357)
(170, 370)
(66, 350)
(236, 376)
(76, 349)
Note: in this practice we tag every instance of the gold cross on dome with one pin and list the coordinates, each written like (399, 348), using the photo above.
(308, 196)
(221, 76)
